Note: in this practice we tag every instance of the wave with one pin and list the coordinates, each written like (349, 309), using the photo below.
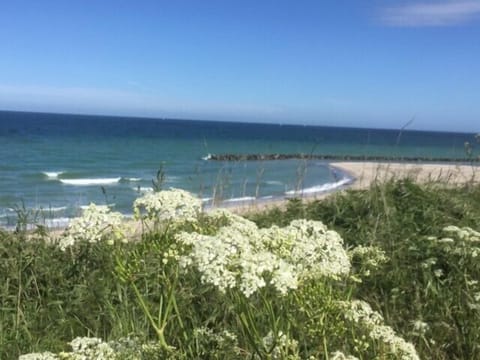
(52, 174)
(274, 182)
(268, 197)
(87, 182)
(207, 157)
(13, 211)
(320, 188)
(143, 189)
(84, 207)
(240, 199)
(52, 209)
(131, 179)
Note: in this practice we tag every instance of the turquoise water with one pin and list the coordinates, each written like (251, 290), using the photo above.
(53, 165)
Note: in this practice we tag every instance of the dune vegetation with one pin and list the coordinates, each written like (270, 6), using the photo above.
(389, 272)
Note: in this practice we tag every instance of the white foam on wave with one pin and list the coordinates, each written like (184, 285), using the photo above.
(319, 188)
(53, 209)
(47, 209)
(240, 199)
(84, 207)
(268, 197)
(132, 179)
(52, 174)
(143, 189)
(208, 157)
(87, 182)
(274, 182)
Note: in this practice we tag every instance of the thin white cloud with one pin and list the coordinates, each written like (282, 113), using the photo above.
(438, 13)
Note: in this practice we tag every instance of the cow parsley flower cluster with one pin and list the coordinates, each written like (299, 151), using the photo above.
(97, 223)
(314, 250)
(360, 313)
(338, 355)
(83, 348)
(173, 204)
(367, 259)
(220, 341)
(465, 233)
(463, 242)
(229, 259)
(242, 256)
(39, 356)
(279, 346)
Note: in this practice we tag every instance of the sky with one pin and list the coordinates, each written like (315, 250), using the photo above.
(369, 63)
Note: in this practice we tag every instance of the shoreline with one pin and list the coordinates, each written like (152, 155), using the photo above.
(364, 173)
(357, 176)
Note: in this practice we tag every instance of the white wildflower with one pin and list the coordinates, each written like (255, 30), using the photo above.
(223, 338)
(371, 255)
(173, 204)
(362, 314)
(360, 311)
(316, 251)
(242, 256)
(398, 345)
(438, 273)
(465, 233)
(39, 356)
(338, 355)
(90, 348)
(451, 229)
(368, 258)
(429, 262)
(420, 327)
(283, 277)
(280, 345)
(97, 223)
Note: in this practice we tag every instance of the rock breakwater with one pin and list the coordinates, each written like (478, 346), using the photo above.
(328, 157)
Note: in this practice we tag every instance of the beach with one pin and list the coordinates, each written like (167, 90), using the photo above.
(364, 174)
(367, 172)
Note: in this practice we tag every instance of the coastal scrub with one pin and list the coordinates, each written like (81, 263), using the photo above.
(217, 285)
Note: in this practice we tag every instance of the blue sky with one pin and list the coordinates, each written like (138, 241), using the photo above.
(337, 62)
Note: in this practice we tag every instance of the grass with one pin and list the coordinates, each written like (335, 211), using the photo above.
(397, 216)
(136, 293)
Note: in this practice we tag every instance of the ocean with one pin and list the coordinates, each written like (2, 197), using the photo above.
(52, 165)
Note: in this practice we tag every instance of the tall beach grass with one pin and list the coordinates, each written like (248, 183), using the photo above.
(394, 275)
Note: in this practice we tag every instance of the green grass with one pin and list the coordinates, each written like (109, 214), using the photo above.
(48, 296)
(397, 216)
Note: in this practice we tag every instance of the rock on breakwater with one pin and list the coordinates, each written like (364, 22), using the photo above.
(328, 157)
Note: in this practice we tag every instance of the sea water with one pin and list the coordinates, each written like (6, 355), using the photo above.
(53, 165)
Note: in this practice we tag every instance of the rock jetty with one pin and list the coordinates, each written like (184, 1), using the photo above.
(327, 157)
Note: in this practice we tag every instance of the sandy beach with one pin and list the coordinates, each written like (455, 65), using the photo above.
(365, 173)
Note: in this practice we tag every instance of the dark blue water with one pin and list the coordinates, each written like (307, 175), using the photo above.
(53, 164)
